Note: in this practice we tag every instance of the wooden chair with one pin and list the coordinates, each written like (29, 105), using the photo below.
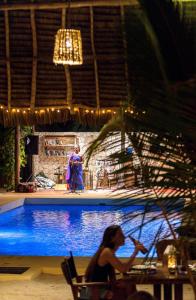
(77, 282)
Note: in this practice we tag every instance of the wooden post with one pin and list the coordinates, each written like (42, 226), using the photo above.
(128, 98)
(17, 156)
(68, 101)
(59, 5)
(8, 64)
(34, 62)
(94, 59)
(123, 139)
(32, 160)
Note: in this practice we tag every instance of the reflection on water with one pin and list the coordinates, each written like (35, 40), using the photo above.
(51, 219)
(99, 219)
(56, 229)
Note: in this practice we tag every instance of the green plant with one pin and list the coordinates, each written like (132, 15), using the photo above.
(7, 158)
(7, 155)
(25, 130)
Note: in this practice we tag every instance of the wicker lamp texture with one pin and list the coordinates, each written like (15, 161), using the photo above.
(68, 47)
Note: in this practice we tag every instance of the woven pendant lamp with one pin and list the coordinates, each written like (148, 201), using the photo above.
(68, 45)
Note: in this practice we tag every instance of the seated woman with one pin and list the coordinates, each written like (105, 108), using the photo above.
(103, 264)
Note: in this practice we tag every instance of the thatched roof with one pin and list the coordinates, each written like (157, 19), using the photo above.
(33, 89)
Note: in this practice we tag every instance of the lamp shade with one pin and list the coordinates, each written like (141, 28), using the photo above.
(172, 261)
(68, 47)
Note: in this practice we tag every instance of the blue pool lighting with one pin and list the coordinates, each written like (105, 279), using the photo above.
(54, 230)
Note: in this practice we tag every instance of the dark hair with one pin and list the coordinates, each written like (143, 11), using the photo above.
(141, 295)
(108, 235)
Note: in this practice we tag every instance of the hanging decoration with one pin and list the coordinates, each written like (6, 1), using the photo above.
(68, 44)
(68, 47)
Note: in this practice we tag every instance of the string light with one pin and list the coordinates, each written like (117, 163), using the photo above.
(58, 110)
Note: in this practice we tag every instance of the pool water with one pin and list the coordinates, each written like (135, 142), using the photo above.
(54, 230)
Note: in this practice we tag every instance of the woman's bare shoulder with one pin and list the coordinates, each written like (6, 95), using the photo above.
(106, 252)
(105, 256)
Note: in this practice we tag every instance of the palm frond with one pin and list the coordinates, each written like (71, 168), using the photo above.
(160, 172)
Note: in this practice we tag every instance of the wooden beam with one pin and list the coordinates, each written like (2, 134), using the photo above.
(60, 5)
(69, 86)
(47, 58)
(34, 62)
(66, 68)
(8, 65)
(94, 58)
(126, 56)
(127, 103)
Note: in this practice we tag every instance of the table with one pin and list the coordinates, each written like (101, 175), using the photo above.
(162, 277)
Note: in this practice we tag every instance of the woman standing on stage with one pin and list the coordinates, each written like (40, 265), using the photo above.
(74, 171)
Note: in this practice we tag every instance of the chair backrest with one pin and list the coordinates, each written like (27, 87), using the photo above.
(78, 286)
(69, 269)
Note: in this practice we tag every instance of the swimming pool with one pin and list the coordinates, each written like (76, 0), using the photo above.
(54, 230)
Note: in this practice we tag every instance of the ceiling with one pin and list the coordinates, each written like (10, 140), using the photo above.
(33, 89)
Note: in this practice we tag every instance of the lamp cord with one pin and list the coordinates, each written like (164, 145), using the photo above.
(68, 14)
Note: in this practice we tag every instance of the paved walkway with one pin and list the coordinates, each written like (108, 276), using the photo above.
(6, 197)
(59, 192)
(44, 287)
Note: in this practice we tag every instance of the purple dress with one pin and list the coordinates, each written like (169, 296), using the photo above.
(74, 173)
